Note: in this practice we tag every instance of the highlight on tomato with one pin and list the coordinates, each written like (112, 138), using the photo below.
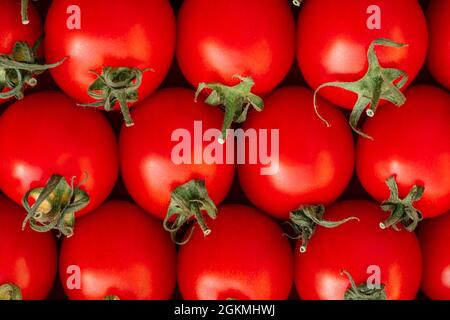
(358, 54)
(58, 160)
(407, 165)
(165, 159)
(118, 252)
(358, 260)
(27, 258)
(434, 238)
(20, 50)
(245, 258)
(114, 59)
(229, 50)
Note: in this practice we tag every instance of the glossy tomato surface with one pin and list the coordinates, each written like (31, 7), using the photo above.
(358, 247)
(438, 62)
(218, 40)
(412, 144)
(434, 236)
(246, 257)
(333, 38)
(150, 167)
(46, 134)
(118, 251)
(137, 34)
(27, 258)
(310, 162)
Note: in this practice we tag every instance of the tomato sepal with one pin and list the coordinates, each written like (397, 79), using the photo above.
(116, 85)
(55, 206)
(18, 69)
(304, 221)
(402, 210)
(189, 201)
(236, 101)
(378, 83)
(362, 291)
(112, 297)
(10, 291)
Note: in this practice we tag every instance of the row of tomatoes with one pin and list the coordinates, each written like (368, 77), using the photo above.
(62, 161)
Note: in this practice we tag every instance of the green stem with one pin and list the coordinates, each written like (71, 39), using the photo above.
(362, 291)
(24, 11)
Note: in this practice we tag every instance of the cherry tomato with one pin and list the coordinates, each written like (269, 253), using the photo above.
(314, 162)
(134, 35)
(411, 145)
(363, 250)
(218, 40)
(334, 37)
(246, 257)
(12, 31)
(152, 169)
(118, 251)
(434, 236)
(438, 62)
(46, 134)
(27, 258)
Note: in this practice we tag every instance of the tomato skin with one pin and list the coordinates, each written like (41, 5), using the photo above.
(51, 135)
(232, 262)
(12, 30)
(27, 258)
(353, 247)
(144, 38)
(315, 161)
(438, 62)
(333, 40)
(120, 251)
(147, 168)
(412, 144)
(434, 236)
(215, 42)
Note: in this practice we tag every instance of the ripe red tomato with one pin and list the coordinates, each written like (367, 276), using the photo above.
(363, 250)
(434, 236)
(438, 62)
(142, 38)
(118, 251)
(218, 40)
(148, 166)
(315, 161)
(410, 144)
(12, 31)
(334, 38)
(45, 134)
(245, 258)
(27, 258)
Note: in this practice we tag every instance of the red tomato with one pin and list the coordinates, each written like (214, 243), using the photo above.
(315, 161)
(142, 38)
(148, 168)
(246, 257)
(410, 144)
(12, 30)
(218, 40)
(333, 42)
(434, 236)
(438, 55)
(27, 258)
(120, 251)
(359, 248)
(46, 134)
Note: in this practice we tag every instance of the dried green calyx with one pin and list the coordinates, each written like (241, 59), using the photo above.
(304, 221)
(235, 100)
(188, 201)
(363, 291)
(10, 291)
(55, 206)
(19, 68)
(378, 83)
(402, 210)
